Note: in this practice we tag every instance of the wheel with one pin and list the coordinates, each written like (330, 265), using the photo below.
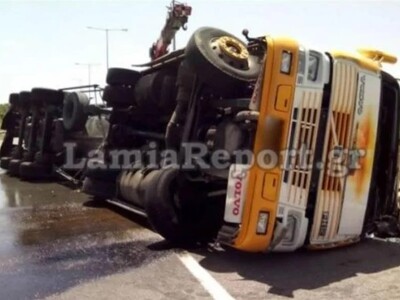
(74, 114)
(9, 117)
(100, 189)
(7, 145)
(178, 210)
(387, 226)
(35, 171)
(221, 60)
(13, 99)
(119, 95)
(47, 96)
(13, 167)
(159, 206)
(118, 76)
(16, 153)
(156, 90)
(102, 172)
(43, 158)
(132, 185)
(5, 162)
(28, 156)
(25, 99)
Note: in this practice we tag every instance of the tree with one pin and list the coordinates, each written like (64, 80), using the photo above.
(3, 110)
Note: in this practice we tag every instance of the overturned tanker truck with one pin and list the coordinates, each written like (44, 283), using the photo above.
(322, 129)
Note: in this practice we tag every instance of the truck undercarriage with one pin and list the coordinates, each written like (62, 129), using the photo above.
(183, 99)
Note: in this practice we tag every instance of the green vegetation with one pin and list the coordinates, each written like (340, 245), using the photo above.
(3, 110)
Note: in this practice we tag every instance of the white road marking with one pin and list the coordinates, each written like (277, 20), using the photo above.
(207, 281)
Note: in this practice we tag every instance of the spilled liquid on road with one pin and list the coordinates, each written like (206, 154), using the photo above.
(52, 239)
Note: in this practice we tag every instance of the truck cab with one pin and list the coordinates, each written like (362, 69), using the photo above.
(327, 118)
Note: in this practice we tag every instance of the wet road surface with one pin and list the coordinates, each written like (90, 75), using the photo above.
(51, 239)
(55, 243)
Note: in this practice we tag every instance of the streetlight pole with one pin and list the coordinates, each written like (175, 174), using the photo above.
(107, 49)
(89, 68)
(107, 30)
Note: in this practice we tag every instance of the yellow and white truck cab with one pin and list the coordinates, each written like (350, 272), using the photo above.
(324, 115)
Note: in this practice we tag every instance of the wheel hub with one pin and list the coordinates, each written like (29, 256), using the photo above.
(231, 51)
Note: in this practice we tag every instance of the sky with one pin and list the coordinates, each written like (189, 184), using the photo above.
(41, 41)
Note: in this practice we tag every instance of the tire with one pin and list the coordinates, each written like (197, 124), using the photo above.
(35, 171)
(9, 120)
(13, 168)
(28, 156)
(43, 158)
(14, 99)
(156, 90)
(181, 222)
(387, 227)
(25, 99)
(160, 209)
(5, 162)
(102, 173)
(47, 96)
(119, 95)
(132, 185)
(16, 153)
(118, 76)
(100, 189)
(74, 111)
(214, 67)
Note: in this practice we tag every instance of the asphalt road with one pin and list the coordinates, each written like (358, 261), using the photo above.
(55, 243)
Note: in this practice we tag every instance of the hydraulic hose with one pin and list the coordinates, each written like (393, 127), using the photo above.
(173, 132)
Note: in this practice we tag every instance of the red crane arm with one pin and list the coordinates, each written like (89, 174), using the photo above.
(177, 17)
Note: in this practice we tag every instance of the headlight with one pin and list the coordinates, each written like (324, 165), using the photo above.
(286, 62)
(290, 229)
(262, 223)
